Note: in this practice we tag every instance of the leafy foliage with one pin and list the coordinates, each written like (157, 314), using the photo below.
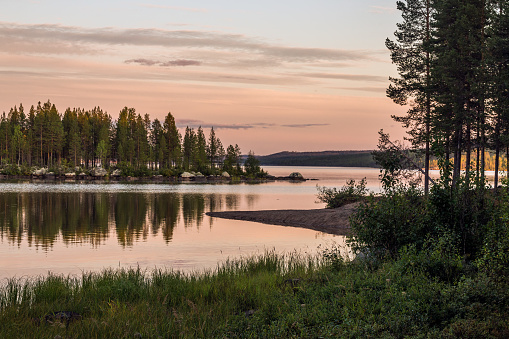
(383, 225)
(350, 193)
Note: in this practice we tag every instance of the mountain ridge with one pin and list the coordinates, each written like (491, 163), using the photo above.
(355, 158)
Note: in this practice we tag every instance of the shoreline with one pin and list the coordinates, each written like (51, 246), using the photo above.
(333, 221)
(154, 178)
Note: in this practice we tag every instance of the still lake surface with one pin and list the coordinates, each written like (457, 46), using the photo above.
(67, 228)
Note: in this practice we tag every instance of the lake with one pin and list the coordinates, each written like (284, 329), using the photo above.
(73, 227)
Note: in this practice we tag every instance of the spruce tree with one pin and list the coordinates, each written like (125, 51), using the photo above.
(458, 31)
(173, 147)
(411, 52)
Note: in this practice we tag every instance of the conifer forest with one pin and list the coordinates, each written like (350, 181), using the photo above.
(43, 137)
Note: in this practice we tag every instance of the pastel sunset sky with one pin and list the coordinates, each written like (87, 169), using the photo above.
(269, 75)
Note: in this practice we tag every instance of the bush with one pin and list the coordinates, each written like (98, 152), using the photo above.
(166, 172)
(437, 259)
(464, 211)
(383, 225)
(494, 255)
(126, 169)
(11, 169)
(347, 194)
(142, 172)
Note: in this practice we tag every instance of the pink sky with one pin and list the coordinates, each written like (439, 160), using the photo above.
(295, 88)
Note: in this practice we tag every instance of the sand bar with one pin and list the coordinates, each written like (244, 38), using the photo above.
(333, 221)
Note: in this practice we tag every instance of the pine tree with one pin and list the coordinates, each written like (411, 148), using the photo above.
(172, 135)
(252, 165)
(156, 139)
(232, 160)
(458, 50)
(498, 59)
(188, 148)
(200, 156)
(411, 52)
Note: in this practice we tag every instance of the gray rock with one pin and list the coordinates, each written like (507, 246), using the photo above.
(41, 171)
(225, 174)
(99, 172)
(70, 175)
(296, 175)
(116, 173)
(187, 175)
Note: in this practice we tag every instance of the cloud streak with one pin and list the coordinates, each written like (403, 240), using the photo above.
(352, 77)
(304, 125)
(191, 123)
(171, 63)
(50, 33)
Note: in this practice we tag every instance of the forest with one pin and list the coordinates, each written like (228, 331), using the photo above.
(325, 158)
(453, 65)
(81, 139)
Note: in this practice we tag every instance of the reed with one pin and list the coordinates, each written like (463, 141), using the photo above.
(270, 295)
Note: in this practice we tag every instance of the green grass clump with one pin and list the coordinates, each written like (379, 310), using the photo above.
(266, 296)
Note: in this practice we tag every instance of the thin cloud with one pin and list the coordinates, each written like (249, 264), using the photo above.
(304, 125)
(352, 77)
(181, 62)
(191, 123)
(172, 63)
(143, 62)
(364, 89)
(51, 33)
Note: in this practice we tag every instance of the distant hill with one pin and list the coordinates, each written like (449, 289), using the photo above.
(325, 158)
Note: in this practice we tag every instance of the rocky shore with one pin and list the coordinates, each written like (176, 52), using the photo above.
(102, 175)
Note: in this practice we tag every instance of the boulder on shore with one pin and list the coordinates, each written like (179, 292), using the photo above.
(225, 174)
(116, 173)
(41, 171)
(187, 175)
(99, 172)
(296, 176)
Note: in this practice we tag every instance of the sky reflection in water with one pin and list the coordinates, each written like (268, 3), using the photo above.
(69, 228)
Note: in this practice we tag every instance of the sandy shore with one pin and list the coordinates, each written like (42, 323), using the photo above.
(333, 221)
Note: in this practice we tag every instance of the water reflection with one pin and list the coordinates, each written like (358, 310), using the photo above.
(44, 218)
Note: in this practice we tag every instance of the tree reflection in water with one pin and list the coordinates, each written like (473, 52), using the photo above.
(44, 218)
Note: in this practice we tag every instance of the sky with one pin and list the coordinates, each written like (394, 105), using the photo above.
(270, 76)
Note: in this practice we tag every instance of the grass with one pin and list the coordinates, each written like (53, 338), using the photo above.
(266, 296)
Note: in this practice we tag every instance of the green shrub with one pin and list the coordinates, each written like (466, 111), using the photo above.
(464, 211)
(347, 194)
(383, 225)
(11, 169)
(494, 255)
(437, 259)
(166, 172)
(142, 172)
(126, 169)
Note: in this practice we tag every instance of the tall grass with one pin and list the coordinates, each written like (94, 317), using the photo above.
(265, 296)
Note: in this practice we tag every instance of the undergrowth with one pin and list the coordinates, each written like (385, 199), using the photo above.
(266, 296)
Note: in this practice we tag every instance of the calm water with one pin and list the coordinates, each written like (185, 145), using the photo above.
(68, 228)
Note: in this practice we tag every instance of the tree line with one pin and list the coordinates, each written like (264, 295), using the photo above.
(452, 58)
(43, 137)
